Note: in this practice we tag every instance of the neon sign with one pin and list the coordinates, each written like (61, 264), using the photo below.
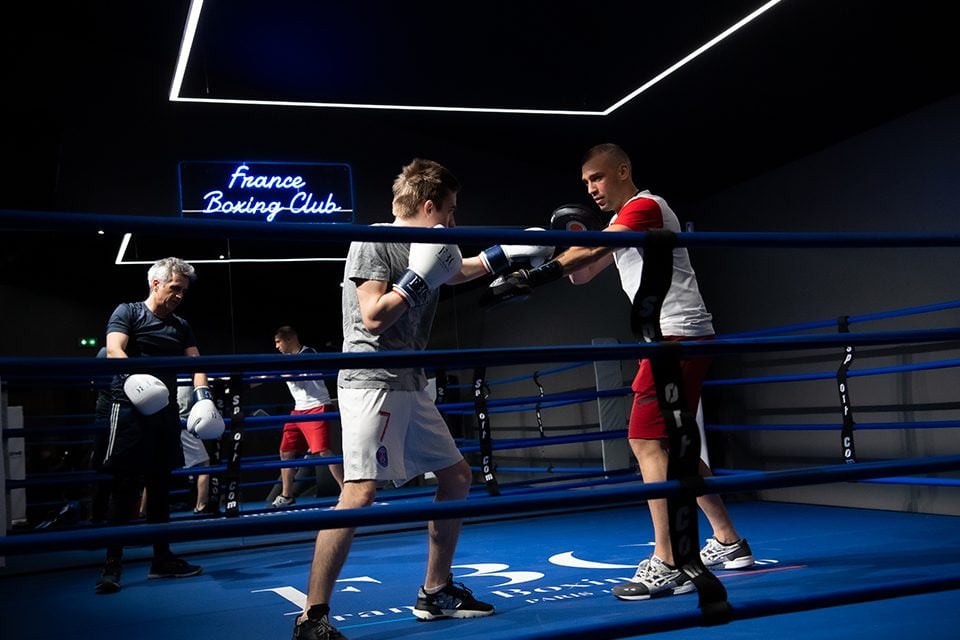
(267, 191)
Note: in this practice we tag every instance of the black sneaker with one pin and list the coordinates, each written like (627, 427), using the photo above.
(316, 629)
(109, 581)
(453, 601)
(173, 567)
(208, 510)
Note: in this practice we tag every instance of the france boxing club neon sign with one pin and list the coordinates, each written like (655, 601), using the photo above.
(267, 191)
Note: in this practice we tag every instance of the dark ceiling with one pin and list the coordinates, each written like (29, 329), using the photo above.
(495, 54)
(804, 75)
(535, 55)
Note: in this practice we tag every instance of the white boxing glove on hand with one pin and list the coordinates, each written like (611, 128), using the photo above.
(205, 421)
(430, 266)
(146, 393)
(499, 258)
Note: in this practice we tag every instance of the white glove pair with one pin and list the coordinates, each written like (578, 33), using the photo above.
(149, 395)
(432, 265)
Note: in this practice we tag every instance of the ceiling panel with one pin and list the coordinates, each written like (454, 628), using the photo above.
(490, 55)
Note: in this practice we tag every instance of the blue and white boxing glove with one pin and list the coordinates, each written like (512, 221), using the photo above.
(430, 266)
(205, 421)
(501, 257)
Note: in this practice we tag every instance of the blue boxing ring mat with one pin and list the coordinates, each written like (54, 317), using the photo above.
(822, 572)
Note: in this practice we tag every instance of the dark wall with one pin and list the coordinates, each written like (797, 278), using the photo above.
(896, 178)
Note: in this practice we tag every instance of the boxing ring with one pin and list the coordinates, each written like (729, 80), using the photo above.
(545, 548)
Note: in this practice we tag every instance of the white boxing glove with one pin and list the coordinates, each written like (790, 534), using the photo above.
(204, 421)
(430, 266)
(499, 258)
(146, 393)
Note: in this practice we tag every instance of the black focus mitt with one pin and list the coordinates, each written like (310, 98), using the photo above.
(576, 217)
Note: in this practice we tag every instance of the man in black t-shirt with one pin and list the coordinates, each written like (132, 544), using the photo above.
(144, 446)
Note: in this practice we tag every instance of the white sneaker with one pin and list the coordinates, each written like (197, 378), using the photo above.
(654, 578)
(716, 555)
(283, 501)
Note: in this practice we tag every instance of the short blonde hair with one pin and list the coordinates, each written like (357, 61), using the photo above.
(418, 182)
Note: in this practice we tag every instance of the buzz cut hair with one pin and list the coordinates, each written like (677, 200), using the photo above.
(286, 333)
(614, 151)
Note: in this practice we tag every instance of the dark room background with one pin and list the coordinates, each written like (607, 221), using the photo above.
(855, 139)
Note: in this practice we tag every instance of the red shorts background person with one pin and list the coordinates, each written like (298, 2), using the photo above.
(303, 438)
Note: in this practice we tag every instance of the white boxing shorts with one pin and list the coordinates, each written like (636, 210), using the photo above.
(194, 453)
(393, 435)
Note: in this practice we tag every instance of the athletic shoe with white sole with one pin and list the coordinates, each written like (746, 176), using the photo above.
(453, 601)
(654, 578)
(716, 555)
(283, 501)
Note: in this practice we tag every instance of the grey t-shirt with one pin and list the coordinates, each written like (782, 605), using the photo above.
(385, 261)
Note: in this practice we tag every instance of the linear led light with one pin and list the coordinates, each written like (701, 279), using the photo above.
(125, 243)
(193, 18)
(189, 33)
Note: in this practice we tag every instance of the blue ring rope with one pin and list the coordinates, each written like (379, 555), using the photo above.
(19, 219)
(691, 239)
(264, 462)
(832, 323)
(483, 506)
(806, 326)
(553, 400)
(523, 377)
(827, 375)
(247, 465)
(547, 469)
(345, 233)
(915, 424)
(16, 367)
(902, 480)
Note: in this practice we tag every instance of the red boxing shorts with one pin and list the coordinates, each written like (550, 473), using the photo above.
(305, 436)
(646, 420)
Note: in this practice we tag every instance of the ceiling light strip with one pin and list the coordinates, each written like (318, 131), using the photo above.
(194, 17)
(189, 32)
(125, 242)
(389, 107)
(666, 72)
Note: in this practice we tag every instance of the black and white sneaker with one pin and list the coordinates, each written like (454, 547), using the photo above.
(654, 578)
(453, 601)
(316, 629)
(282, 501)
(716, 555)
